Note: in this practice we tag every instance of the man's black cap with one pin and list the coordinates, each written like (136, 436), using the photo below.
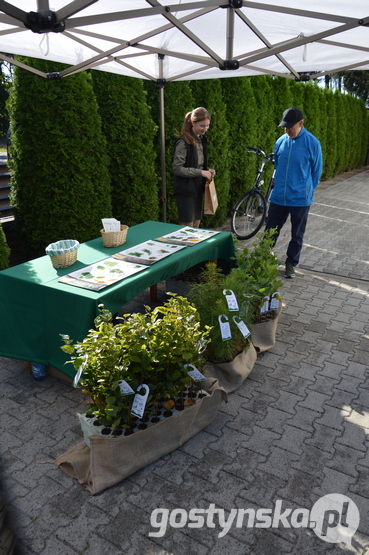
(290, 117)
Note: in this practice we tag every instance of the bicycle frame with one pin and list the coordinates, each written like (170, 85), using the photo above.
(258, 181)
(250, 211)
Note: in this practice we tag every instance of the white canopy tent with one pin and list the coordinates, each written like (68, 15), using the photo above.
(190, 39)
(171, 40)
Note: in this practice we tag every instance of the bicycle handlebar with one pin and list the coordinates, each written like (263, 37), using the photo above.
(260, 152)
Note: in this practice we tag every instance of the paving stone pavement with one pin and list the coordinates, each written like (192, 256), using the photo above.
(295, 431)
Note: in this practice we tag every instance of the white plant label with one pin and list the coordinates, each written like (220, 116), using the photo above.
(77, 376)
(274, 303)
(125, 388)
(225, 329)
(242, 326)
(139, 402)
(195, 374)
(265, 306)
(231, 299)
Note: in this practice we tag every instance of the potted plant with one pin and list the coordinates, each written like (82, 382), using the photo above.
(260, 266)
(151, 348)
(254, 282)
(145, 351)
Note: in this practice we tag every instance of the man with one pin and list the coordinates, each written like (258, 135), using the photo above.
(298, 163)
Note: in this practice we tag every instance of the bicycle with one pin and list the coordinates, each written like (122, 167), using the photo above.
(250, 211)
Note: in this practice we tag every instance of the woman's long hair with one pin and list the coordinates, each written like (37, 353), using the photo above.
(198, 114)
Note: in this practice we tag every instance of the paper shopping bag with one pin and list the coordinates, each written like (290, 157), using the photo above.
(211, 199)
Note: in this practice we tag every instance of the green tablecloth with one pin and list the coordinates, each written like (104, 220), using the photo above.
(35, 307)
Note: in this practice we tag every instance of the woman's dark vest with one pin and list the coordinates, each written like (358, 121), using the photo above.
(195, 186)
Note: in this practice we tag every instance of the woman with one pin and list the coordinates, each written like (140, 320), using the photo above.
(190, 167)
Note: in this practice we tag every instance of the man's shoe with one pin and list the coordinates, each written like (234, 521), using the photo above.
(289, 271)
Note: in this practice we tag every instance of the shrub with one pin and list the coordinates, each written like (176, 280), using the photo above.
(129, 131)
(150, 348)
(60, 181)
(4, 250)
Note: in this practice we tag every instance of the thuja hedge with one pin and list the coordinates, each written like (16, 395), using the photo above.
(61, 168)
(129, 130)
(60, 181)
(4, 250)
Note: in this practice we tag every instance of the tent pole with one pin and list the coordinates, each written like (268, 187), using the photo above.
(161, 83)
(230, 33)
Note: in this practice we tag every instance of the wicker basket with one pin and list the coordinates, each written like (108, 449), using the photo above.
(64, 260)
(63, 253)
(114, 238)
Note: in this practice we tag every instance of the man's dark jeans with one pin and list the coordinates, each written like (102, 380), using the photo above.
(277, 217)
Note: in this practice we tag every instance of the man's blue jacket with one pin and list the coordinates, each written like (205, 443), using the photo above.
(298, 165)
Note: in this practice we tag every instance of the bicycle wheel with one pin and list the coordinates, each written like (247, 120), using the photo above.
(248, 215)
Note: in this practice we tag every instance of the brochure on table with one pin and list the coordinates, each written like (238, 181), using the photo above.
(101, 274)
(188, 236)
(130, 261)
(148, 252)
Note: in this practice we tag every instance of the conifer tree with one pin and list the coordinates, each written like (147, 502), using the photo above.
(342, 163)
(330, 152)
(60, 182)
(313, 110)
(4, 250)
(282, 99)
(298, 95)
(129, 131)
(242, 117)
(268, 117)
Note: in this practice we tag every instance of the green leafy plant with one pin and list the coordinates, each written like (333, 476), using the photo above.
(210, 300)
(151, 348)
(260, 266)
(255, 276)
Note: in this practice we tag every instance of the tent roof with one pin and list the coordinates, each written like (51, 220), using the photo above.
(190, 39)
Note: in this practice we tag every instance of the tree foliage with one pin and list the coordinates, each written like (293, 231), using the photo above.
(60, 182)
(356, 82)
(4, 250)
(241, 116)
(129, 131)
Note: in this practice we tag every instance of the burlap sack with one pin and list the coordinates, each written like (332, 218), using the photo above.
(108, 461)
(263, 335)
(231, 375)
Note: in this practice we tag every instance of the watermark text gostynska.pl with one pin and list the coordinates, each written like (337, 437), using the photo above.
(334, 518)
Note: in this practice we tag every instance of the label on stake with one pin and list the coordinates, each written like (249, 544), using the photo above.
(265, 306)
(139, 402)
(242, 326)
(125, 388)
(195, 374)
(225, 328)
(274, 302)
(77, 377)
(231, 299)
